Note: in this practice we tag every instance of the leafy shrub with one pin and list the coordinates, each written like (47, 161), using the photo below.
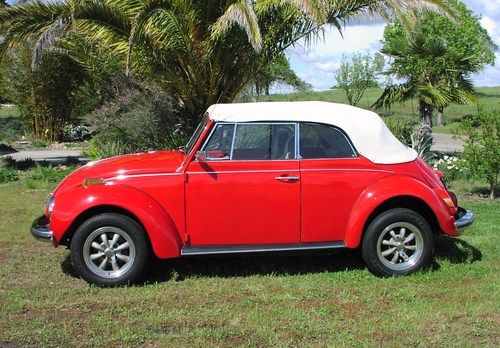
(10, 128)
(421, 141)
(39, 143)
(8, 174)
(49, 174)
(138, 120)
(482, 146)
(107, 144)
(78, 132)
(452, 168)
(401, 129)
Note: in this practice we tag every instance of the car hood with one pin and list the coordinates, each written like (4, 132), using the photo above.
(167, 161)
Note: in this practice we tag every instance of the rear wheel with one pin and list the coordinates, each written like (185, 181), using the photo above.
(398, 242)
(109, 250)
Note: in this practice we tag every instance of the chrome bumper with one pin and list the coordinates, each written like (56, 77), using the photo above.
(464, 218)
(40, 229)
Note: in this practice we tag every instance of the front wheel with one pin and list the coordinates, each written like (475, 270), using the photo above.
(109, 250)
(398, 242)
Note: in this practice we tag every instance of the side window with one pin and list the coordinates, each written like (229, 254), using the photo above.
(264, 141)
(323, 141)
(219, 144)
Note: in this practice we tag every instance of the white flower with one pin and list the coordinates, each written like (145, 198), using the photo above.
(446, 157)
(449, 167)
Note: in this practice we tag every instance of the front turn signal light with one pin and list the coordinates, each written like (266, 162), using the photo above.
(87, 182)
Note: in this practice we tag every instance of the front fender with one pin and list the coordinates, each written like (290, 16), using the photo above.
(392, 187)
(72, 203)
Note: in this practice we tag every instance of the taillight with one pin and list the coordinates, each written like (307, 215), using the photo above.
(453, 197)
(449, 198)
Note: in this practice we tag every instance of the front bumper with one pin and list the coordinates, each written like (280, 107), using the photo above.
(465, 218)
(40, 229)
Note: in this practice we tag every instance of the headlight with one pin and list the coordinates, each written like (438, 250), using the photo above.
(49, 205)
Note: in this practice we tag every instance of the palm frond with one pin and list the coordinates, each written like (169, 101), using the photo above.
(240, 13)
(47, 40)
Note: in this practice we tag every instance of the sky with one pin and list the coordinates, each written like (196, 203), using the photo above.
(318, 62)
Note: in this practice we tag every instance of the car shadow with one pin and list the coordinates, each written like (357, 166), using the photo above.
(230, 266)
(453, 250)
(456, 250)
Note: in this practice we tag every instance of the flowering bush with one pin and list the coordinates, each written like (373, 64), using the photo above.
(452, 167)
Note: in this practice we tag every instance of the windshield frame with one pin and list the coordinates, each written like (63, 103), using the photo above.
(196, 134)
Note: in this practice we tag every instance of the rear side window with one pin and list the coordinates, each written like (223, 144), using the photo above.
(323, 141)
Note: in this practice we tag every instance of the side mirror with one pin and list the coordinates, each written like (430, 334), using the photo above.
(201, 156)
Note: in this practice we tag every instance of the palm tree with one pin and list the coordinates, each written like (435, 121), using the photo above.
(200, 52)
(434, 85)
(436, 59)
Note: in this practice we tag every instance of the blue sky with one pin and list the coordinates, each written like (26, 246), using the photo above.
(318, 62)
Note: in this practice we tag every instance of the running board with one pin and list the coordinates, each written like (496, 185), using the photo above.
(257, 248)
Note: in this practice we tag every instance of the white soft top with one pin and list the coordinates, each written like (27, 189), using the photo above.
(368, 133)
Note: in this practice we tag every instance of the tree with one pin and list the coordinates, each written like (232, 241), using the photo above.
(356, 76)
(436, 60)
(278, 70)
(45, 96)
(198, 52)
(482, 146)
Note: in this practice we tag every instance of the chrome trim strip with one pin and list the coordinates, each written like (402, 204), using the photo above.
(344, 169)
(262, 248)
(465, 220)
(40, 229)
(125, 176)
(246, 171)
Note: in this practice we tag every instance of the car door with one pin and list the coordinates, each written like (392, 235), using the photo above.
(245, 189)
(332, 178)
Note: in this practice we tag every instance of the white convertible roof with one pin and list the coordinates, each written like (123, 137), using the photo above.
(368, 133)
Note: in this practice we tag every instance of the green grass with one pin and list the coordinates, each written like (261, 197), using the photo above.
(489, 98)
(9, 111)
(315, 300)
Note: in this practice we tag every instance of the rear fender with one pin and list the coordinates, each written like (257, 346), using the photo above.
(73, 203)
(386, 189)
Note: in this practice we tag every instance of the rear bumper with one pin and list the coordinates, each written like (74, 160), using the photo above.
(40, 229)
(465, 218)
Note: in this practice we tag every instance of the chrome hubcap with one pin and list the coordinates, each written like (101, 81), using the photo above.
(109, 252)
(400, 246)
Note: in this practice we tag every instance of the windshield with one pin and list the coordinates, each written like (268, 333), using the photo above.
(196, 133)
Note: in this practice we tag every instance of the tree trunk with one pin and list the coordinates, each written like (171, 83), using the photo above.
(266, 89)
(493, 186)
(426, 112)
(440, 116)
(258, 90)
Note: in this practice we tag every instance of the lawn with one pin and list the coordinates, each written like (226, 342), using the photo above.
(10, 123)
(304, 300)
(488, 98)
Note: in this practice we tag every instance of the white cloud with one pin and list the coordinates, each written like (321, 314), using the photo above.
(317, 64)
(329, 65)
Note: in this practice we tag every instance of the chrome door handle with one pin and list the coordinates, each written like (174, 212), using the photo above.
(286, 178)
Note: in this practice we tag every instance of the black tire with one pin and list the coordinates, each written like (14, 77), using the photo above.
(388, 250)
(124, 256)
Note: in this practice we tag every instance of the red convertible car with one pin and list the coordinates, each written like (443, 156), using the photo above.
(258, 177)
